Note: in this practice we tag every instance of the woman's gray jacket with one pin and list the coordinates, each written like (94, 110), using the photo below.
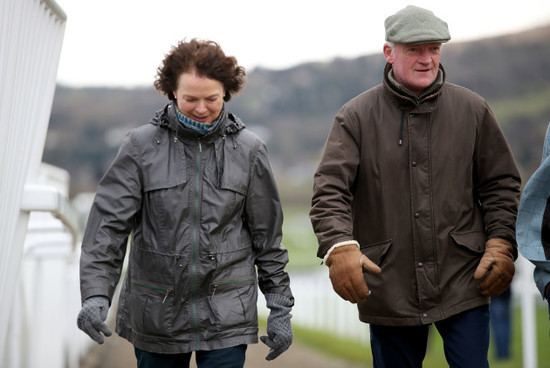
(205, 222)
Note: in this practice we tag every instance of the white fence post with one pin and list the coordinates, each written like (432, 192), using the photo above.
(527, 293)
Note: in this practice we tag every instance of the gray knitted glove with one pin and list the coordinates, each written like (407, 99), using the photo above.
(279, 331)
(92, 316)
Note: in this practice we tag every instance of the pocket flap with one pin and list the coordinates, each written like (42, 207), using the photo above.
(473, 240)
(376, 251)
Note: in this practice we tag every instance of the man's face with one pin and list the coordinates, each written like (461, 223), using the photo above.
(415, 67)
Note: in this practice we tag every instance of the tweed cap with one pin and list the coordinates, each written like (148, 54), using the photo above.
(415, 25)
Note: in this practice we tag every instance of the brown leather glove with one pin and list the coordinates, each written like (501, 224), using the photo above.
(496, 268)
(346, 266)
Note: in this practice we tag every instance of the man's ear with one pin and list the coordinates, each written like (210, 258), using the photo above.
(388, 54)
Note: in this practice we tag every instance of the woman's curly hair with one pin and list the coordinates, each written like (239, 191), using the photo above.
(204, 57)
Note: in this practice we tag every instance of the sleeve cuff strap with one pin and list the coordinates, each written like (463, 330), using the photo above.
(340, 244)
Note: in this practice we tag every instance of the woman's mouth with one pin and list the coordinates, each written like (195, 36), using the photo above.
(202, 119)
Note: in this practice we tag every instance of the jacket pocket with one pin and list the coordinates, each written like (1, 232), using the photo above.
(151, 307)
(164, 206)
(376, 251)
(234, 170)
(234, 302)
(473, 241)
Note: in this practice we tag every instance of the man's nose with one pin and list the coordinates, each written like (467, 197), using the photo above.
(425, 57)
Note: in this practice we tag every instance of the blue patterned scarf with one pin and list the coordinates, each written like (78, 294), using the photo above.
(197, 126)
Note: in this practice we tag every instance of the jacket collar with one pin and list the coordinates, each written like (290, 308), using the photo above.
(167, 118)
(407, 100)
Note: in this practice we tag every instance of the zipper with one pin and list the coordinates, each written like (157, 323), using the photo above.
(168, 291)
(229, 283)
(195, 244)
(154, 288)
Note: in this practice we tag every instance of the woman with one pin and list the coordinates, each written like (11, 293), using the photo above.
(195, 190)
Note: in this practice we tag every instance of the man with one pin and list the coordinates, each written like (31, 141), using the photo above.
(415, 200)
(534, 222)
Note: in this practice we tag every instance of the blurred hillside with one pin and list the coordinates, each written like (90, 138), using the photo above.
(292, 109)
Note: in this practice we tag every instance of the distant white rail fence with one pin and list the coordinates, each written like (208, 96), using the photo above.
(318, 307)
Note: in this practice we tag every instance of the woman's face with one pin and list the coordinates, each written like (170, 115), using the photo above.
(199, 98)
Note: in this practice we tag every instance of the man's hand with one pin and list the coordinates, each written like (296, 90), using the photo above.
(346, 266)
(92, 316)
(496, 268)
(279, 330)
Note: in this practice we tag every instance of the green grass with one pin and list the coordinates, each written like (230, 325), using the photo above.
(533, 105)
(299, 239)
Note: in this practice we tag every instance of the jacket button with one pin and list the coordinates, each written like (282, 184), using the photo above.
(416, 215)
(420, 264)
(413, 163)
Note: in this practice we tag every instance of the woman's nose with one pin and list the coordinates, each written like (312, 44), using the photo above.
(201, 107)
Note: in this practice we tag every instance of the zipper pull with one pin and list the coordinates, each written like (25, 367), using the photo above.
(214, 287)
(200, 147)
(168, 291)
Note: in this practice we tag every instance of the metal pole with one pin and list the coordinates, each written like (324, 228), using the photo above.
(528, 326)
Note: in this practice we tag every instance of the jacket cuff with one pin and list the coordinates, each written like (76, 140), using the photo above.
(542, 277)
(337, 245)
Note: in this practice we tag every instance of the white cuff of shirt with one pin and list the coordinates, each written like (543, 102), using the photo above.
(340, 244)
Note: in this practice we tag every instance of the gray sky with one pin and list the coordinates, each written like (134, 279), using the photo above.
(122, 42)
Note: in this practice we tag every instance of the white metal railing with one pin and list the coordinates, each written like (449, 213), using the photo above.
(42, 328)
(31, 36)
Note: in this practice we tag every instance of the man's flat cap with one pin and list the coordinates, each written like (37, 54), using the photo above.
(414, 25)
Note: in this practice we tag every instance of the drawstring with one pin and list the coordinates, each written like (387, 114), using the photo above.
(157, 134)
(401, 128)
